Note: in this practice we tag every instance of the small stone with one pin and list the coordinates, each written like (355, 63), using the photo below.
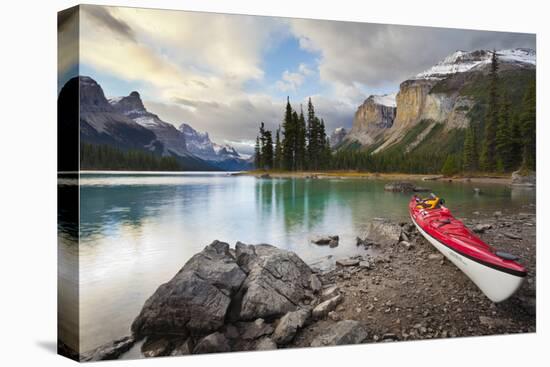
(322, 309)
(334, 316)
(497, 214)
(365, 264)
(481, 228)
(511, 236)
(347, 262)
(253, 330)
(342, 333)
(406, 244)
(435, 257)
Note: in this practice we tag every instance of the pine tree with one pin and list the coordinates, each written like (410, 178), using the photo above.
(528, 120)
(469, 159)
(301, 141)
(451, 165)
(312, 138)
(503, 137)
(278, 155)
(488, 153)
(289, 133)
(267, 150)
(257, 154)
(516, 146)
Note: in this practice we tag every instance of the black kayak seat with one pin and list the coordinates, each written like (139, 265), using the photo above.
(506, 256)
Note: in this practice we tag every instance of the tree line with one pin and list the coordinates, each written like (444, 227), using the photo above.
(300, 143)
(106, 157)
(509, 140)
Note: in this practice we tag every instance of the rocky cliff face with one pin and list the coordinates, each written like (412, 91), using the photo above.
(372, 118)
(337, 136)
(172, 139)
(101, 123)
(422, 98)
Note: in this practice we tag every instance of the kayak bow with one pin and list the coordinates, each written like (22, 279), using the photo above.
(496, 273)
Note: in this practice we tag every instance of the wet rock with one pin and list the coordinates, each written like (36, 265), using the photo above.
(403, 186)
(477, 191)
(363, 242)
(384, 232)
(253, 330)
(482, 227)
(332, 241)
(524, 178)
(265, 175)
(322, 309)
(177, 307)
(343, 332)
(111, 350)
(157, 347)
(213, 343)
(276, 284)
(265, 344)
(289, 325)
(347, 262)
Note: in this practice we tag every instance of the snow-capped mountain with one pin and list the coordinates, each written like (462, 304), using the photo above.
(462, 61)
(171, 138)
(337, 136)
(385, 99)
(223, 156)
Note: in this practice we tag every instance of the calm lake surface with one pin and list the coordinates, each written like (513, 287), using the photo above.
(137, 230)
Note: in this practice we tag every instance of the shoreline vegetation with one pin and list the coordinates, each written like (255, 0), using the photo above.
(497, 178)
(363, 298)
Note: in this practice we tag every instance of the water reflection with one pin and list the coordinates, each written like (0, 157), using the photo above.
(136, 231)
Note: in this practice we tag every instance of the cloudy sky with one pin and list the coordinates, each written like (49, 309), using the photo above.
(226, 73)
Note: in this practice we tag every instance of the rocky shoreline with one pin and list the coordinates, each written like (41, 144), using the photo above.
(260, 297)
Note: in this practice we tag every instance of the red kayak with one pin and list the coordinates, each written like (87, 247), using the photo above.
(496, 273)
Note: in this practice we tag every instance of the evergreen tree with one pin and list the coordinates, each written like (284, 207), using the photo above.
(267, 150)
(312, 136)
(278, 155)
(469, 159)
(503, 138)
(528, 120)
(289, 133)
(257, 154)
(451, 165)
(516, 145)
(301, 141)
(488, 152)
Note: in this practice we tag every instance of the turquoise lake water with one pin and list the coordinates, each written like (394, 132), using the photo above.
(137, 230)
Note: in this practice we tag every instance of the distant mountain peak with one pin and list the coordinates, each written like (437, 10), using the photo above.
(130, 105)
(461, 61)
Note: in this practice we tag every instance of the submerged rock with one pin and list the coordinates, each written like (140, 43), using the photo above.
(111, 350)
(332, 241)
(343, 332)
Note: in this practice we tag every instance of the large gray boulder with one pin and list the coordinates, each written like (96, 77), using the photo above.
(289, 325)
(343, 332)
(383, 232)
(213, 343)
(195, 301)
(277, 282)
